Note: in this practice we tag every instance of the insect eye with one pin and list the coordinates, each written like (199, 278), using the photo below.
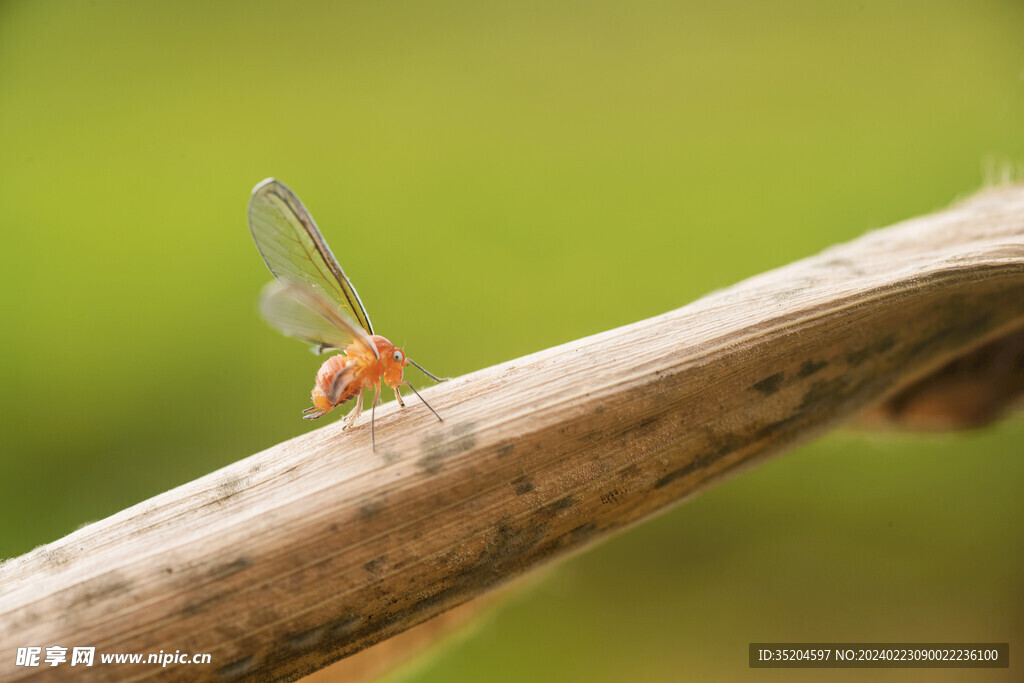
(398, 356)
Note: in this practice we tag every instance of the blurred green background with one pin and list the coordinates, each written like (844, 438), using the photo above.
(498, 178)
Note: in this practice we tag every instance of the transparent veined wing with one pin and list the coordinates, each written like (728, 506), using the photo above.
(295, 251)
(303, 313)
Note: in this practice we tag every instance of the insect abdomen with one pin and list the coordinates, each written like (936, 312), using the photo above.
(331, 368)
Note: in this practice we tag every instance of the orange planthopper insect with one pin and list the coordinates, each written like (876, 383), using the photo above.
(312, 300)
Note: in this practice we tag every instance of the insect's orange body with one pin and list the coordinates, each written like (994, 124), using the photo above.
(364, 371)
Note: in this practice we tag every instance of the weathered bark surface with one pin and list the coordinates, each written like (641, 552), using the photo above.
(318, 547)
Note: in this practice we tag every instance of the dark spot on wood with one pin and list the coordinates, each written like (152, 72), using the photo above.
(931, 343)
(823, 391)
(563, 503)
(387, 619)
(964, 320)
(376, 564)
(390, 456)
(509, 547)
(306, 639)
(521, 485)
(829, 392)
(214, 597)
(505, 449)
(769, 385)
(334, 527)
(460, 586)
(871, 350)
(27, 618)
(611, 497)
(773, 429)
(513, 545)
(511, 540)
(368, 511)
(574, 537)
(678, 473)
(630, 471)
(237, 668)
(436, 448)
(720, 445)
(230, 568)
(100, 588)
(640, 426)
(599, 409)
(193, 607)
(809, 367)
(822, 395)
(346, 626)
(432, 462)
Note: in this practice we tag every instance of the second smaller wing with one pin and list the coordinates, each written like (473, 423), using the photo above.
(307, 315)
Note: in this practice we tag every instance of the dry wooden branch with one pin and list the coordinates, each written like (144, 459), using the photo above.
(318, 547)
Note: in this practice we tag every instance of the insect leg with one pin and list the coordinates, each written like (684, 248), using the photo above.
(373, 409)
(398, 395)
(351, 418)
(409, 384)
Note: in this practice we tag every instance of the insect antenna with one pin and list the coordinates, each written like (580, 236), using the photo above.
(431, 376)
(409, 384)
